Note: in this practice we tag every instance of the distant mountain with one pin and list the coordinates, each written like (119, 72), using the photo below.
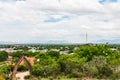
(109, 41)
(7, 42)
(57, 42)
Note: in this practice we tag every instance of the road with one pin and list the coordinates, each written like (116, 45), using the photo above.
(21, 75)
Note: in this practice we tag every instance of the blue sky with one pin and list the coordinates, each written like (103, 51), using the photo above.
(39, 21)
(52, 19)
(104, 1)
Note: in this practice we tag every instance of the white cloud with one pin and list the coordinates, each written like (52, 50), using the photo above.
(24, 21)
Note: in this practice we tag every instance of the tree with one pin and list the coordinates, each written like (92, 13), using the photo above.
(90, 51)
(46, 67)
(17, 54)
(5, 69)
(3, 56)
(53, 54)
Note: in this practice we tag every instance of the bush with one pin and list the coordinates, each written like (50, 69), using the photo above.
(17, 54)
(90, 51)
(5, 69)
(3, 56)
(89, 70)
(98, 67)
(50, 78)
(46, 70)
(7, 78)
(87, 61)
(53, 54)
(104, 69)
(27, 77)
(115, 76)
(39, 78)
(22, 68)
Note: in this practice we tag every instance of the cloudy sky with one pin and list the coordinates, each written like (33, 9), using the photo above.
(31, 21)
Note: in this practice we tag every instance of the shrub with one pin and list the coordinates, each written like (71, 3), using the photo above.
(89, 70)
(27, 77)
(3, 56)
(115, 76)
(22, 68)
(5, 69)
(90, 51)
(50, 78)
(104, 69)
(53, 54)
(50, 69)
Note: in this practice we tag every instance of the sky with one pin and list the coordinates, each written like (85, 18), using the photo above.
(68, 21)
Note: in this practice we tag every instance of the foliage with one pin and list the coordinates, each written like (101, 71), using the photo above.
(115, 76)
(90, 51)
(5, 69)
(3, 56)
(87, 61)
(22, 68)
(50, 67)
(94, 61)
(98, 67)
(27, 77)
(17, 54)
(54, 54)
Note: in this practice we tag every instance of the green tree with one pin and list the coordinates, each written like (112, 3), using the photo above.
(3, 56)
(5, 69)
(90, 51)
(53, 54)
(47, 66)
(17, 54)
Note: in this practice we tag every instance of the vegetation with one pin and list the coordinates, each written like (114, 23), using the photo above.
(96, 61)
(101, 61)
(3, 56)
(5, 69)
